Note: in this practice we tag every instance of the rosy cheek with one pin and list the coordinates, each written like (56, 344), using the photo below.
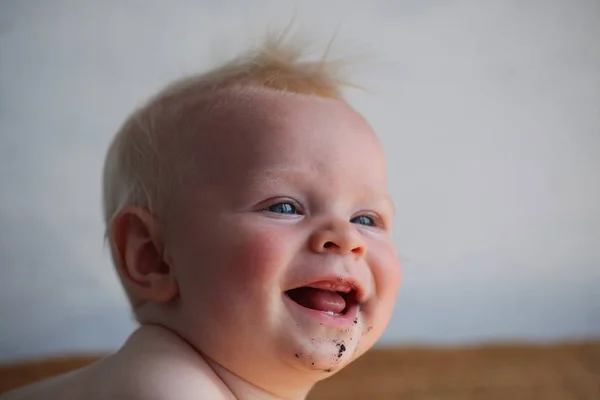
(386, 271)
(389, 269)
(252, 258)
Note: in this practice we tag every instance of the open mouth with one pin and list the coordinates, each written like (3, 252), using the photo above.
(331, 302)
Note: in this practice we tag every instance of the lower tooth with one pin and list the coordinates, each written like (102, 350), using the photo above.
(331, 313)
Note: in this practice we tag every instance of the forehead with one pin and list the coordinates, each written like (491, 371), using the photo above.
(274, 136)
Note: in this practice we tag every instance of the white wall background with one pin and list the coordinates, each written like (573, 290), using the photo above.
(489, 111)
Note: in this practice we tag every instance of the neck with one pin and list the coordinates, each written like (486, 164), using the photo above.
(245, 390)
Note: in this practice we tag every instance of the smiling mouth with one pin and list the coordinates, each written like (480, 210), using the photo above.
(331, 302)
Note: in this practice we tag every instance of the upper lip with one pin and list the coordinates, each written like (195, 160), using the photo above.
(343, 284)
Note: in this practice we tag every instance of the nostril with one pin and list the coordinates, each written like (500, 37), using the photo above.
(329, 245)
(358, 251)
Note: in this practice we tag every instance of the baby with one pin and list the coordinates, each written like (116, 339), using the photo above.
(249, 220)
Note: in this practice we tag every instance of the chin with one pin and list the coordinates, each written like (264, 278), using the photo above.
(325, 356)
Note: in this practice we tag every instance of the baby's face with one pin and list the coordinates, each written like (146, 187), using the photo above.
(281, 239)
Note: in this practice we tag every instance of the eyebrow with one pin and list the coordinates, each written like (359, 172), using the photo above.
(281, 175)
(386, 198)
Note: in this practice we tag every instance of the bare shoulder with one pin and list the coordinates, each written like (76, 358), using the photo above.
(166, 368)
(154, 364)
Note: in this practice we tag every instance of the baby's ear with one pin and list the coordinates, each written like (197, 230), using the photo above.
(139, 252)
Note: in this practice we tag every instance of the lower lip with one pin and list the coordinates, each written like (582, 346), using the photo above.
(345, 320)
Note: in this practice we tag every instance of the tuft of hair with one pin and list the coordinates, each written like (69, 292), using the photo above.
(135, 172)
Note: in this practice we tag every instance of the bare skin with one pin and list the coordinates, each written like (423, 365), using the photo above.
(153, 364)
(285, 191)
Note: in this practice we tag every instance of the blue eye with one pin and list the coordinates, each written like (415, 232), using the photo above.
(363, 220)
(283, 208)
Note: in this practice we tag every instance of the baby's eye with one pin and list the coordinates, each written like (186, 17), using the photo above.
(363, 220)
(283, 208)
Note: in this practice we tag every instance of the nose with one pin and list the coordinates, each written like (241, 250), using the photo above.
(339, 237)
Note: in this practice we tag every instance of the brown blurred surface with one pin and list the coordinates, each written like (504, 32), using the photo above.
(553, 372)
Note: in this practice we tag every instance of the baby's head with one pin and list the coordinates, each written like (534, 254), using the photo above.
(247, 210)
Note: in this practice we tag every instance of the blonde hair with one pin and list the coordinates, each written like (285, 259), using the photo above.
(135, 174)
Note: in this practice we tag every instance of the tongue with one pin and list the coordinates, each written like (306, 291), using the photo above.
(318, 299)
